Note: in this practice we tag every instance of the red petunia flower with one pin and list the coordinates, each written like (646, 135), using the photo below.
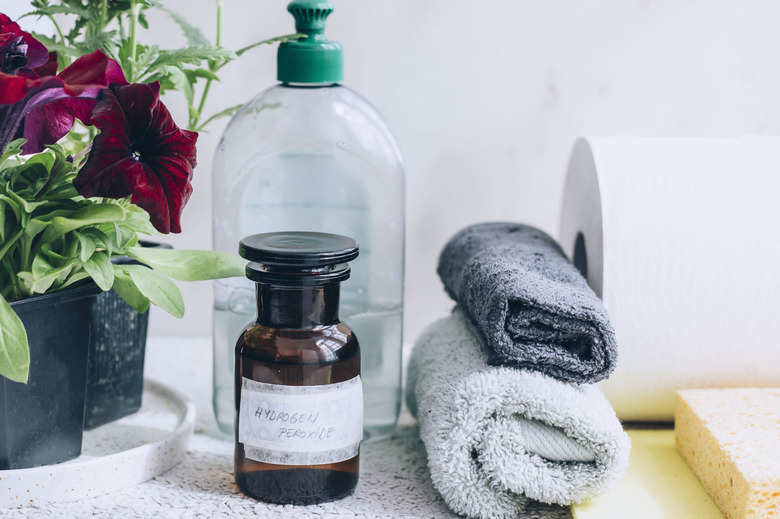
(52, 114)
(37, 104)
(20, 53)
(140, 153)
(48, 105)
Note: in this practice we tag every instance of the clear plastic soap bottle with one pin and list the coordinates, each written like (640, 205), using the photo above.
(309, 154)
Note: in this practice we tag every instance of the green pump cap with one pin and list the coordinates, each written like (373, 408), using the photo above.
(313, 59)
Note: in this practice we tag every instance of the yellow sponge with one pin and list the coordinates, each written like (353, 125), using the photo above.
(731, 440)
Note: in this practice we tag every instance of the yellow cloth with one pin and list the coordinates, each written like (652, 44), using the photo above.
(657, 485)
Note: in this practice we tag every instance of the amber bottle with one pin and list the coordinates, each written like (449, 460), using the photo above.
(299, 399)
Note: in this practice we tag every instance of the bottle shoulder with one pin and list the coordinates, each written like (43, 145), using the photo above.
(321, 345)
(284, 116)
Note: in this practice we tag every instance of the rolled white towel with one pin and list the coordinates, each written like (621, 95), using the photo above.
(496, 435)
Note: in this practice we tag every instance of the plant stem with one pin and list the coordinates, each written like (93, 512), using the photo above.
(220, 3)
(202, 104)
(59, 31)
(213, 66)
(9, 242)
(135, 8)
(83, 152)
(24, 252)
(103, 14)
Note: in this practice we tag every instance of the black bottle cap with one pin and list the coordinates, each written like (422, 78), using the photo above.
(298, 258)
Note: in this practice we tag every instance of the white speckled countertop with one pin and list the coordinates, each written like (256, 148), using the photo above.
(394, 480)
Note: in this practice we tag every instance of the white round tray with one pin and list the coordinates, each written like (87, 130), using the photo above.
(114, 456)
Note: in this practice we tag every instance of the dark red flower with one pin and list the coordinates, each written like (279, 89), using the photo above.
(48, 105)
(54, 112)
(36, 104)
(140, 153)
(49, 68)
(20, 53)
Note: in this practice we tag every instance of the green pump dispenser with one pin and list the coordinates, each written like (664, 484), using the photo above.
(312, 59)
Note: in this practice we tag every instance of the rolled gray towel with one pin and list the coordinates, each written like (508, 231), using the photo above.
(527, 304)
(496, 435)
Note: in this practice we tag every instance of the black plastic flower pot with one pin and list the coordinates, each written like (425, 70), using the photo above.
(115, 377)
(42, 422)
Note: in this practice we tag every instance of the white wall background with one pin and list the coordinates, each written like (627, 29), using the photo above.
(487, 98)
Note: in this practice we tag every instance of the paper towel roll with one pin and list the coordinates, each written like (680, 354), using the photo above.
(681, 239)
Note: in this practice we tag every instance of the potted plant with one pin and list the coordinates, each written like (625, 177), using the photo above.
(72, 198)
(117, 348)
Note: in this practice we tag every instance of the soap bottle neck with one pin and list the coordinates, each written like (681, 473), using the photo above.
(304, 86)
(299, 307)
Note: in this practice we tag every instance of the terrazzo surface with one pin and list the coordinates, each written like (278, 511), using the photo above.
(394, 478)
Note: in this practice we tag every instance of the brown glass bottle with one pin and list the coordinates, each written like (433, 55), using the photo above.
(298, 399)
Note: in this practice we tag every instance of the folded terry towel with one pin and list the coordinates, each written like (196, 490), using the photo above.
(527, 304)
(497, 435)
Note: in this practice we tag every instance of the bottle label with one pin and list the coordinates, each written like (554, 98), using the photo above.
(301, 425)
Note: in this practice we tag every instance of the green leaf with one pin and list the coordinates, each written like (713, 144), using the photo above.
(100, 41)
(2, 221)
(90, 215)
(34, 285)
(112, 51)
(145, 56)
(123, 237)
(47, 159)
(280, 39)
(27, 207)
(53, 46)
(12, 149)
(193, 113)
(64, 191)
(42, 268)
(9, 168)
(34, 227)
(194, 73)
(173, 78)
(191, 56)
(14, 350)
(49, 267)
(75, 31)
(29, 179)
(194, 35)
(59, 171)
(190, 265)
(139, 222)
(61, 9)
(126, 289)
(160, 290)
(7, 244)
(101, 239)
(142, 21)
(100, 269)
(125, 52)
(224, 113)
(67, 254)
(74, 278)
(87, 245)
